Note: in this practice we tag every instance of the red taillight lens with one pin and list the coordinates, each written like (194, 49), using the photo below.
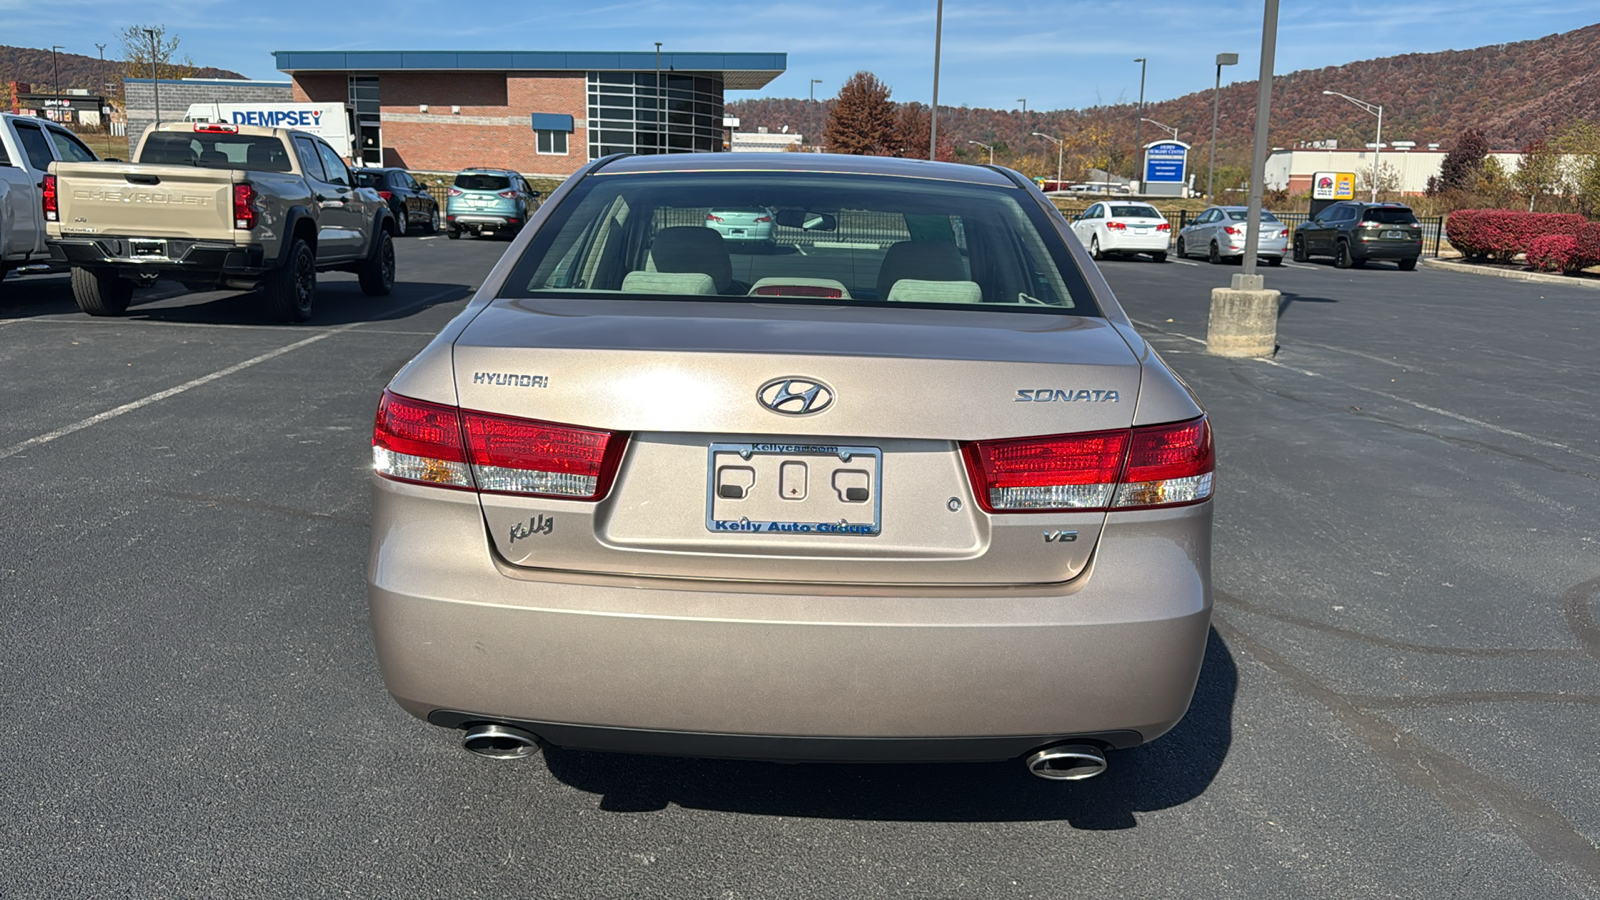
(52, 207)
(1234, 230)
(1069, 471)
(386, 195)
(798, 290)
(509, 195)
(1164, 226)
(1117, 226)
(215, 128)
(455, 192)
(434, 444)
(421, 442)
(763, 218)
(712, 218)
(244, 207)
(523, 456)
(1140, 468)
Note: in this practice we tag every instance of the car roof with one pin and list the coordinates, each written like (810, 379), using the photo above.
(838, 163)
(474, 170)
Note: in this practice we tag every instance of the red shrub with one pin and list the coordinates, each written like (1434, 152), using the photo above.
(1505, 233)
(1552, 252)
(1587, 251)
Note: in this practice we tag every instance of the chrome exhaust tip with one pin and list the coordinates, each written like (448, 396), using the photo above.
(1067, 762)
(499, 741)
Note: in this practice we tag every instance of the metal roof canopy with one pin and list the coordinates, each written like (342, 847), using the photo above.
(739, 71)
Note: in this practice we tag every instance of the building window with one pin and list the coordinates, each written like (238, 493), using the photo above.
(553, 143)
(640, 112)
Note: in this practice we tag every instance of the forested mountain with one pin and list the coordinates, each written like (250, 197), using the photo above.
(1515, 93)
(34, 67)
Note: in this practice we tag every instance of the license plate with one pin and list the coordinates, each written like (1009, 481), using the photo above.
(736, 231)
(794, 489)
(149, 249)
(1141, 229)
(1394, 235)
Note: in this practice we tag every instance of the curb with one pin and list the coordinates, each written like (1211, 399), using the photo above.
(1538, 277)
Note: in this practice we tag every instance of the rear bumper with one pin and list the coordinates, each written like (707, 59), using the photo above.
(1386, 249)
(787, 671)
(1276, 247)
(480, 220)
(1138, 243)
(193, 257)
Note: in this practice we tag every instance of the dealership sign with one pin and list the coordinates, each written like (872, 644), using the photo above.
(1165, 162)
(1333, 185)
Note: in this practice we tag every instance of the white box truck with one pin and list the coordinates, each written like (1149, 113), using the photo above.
(329, 121)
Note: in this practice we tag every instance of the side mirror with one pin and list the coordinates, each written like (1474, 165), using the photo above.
(808, 221)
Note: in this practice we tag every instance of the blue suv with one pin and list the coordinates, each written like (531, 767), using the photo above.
(488, 201)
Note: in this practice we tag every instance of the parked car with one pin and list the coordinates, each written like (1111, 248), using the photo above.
(1353, 232)
(849, 503)
(748, 226)
(217, 206)
(1119, 229)
(1219, 234)
(488, 201)
(412, 205)
(28, 145)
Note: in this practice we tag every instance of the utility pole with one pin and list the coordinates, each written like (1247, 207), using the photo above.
(1223, 59)
(933, 122)
(155, 73)
(55, 68)
(1138, 128)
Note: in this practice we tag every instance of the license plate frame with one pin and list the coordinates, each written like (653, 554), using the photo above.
(1393, 236)
(147, 248)
(770, 457)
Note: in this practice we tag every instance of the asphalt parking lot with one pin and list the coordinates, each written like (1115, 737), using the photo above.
(1400, 698)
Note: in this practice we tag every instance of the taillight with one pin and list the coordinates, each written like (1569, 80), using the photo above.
(215, 128)
(244, 208)
(522, 456)
(419, 442)
(509, 195)
(713, 218)
(1139, 468)
(386, 195)
(1164, 226)
(763, 218)
(455, 192)
(798, 290)
(1117, 226)
(429, 443)
(1235, 230)
(52, 205)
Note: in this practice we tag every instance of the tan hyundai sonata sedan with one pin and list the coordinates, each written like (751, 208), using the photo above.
(905, 486)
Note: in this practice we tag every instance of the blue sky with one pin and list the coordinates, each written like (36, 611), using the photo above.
(1058, 54)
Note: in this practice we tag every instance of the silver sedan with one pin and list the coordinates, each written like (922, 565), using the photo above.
(1219, 234)
(920, 494)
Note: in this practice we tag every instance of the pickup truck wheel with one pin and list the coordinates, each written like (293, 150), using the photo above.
(101, 292)
(377, 273)
(292, 287)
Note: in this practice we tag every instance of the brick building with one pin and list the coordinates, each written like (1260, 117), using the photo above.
(176, 95)
(539, 113)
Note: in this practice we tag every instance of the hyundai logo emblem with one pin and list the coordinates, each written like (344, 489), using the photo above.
(795, 396)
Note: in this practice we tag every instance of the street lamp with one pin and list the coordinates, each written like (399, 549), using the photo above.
(56, 86)
(1377, 146)
(1162, 127)
(814, 83)
(1024, 102)
(933, 119)
(1060, 149)
(1223, 59)
(1138, 127)
(155, 73)
(988, 147)
(661, 122)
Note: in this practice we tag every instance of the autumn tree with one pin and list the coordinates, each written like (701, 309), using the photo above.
(1462, 167)
(863, 121)
(913, 131)
(1581, 170)
(148, 49)
(1538, 172)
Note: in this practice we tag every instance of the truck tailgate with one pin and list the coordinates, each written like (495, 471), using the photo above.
(136, 200)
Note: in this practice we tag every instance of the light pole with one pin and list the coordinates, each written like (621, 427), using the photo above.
(1168, 128)
(1138, 127)
(814, 83)
(105, 116)
(155, 73)
(55, 68)
(933, 119)
(988, 147)
(1024, 102)
(661, 107)
(1258, 150)
(1377, 146)
(1061, 147)
(1223, 59)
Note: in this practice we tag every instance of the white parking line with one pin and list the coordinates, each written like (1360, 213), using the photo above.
(158, 396)
(1186, 262)
(1291, 265)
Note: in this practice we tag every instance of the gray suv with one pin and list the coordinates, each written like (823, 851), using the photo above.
(1354, 232)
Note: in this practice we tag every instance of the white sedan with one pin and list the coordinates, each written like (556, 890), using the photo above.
(1123, 228)
(1218, 234)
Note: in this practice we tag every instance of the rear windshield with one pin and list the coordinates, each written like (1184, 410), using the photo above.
(476, 182)
(1389, 216)
(1239, 215)
(370, 179)
(1134, 212)
(837, 238)
(216, 151)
